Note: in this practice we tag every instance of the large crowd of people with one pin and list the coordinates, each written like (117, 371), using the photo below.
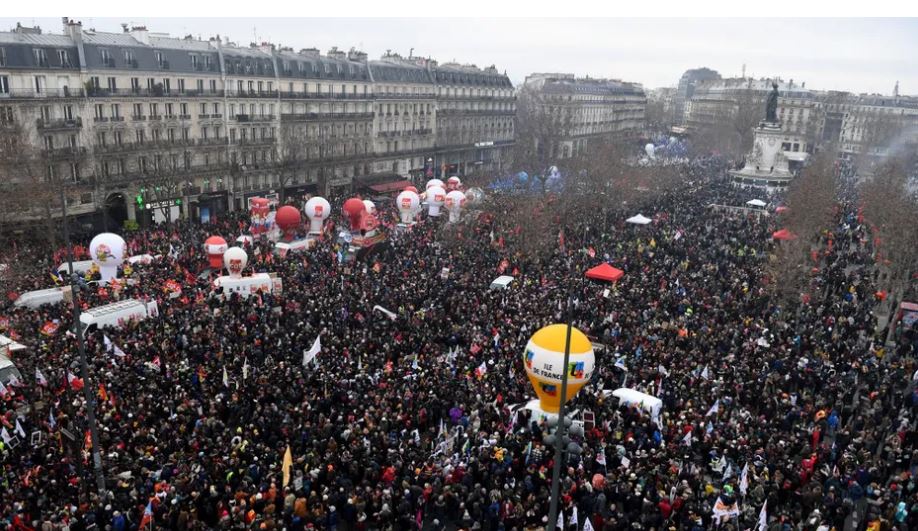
(795, 407)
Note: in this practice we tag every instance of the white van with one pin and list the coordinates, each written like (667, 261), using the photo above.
(8, 370)
(501, 282)
(40, 297)
(117, 314)
(80, 266)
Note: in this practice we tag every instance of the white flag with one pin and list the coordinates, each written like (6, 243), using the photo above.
(705, 374)
(40, 378)
(19, 429)
(687, 439)
(6, 435)
(575, 521)
(225, 377)
(744, 480)
(310, 354)
(601, 457)
(560, 523)
(245, 369)
(117, 351)
(51, 420)
(714, 409)
(587, 525)
(3, 389)
(728, 473)
(387, 313)
(763, 518)
(108, 343)
(14, 381)
(620, 363)
(663, 370)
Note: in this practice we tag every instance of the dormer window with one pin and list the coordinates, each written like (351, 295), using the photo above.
(41, 57)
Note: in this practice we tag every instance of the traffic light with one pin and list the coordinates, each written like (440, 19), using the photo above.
(139, 200)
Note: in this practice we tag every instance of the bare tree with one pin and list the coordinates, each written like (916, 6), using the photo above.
(542, 124)
(161, 176)
(30, 185)
(811, 201)
(291, 153)
(893, 212)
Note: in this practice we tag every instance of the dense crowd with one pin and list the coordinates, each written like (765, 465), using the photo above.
(391, 428)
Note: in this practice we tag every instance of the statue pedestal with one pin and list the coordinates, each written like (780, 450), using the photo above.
(766, 165)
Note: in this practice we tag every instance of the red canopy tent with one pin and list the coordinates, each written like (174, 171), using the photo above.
(605, 272)
(784, 234)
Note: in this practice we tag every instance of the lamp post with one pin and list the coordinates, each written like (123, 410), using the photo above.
(559, 436)
(84, 367)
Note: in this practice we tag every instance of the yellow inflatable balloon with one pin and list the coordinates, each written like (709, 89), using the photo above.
(544, 360)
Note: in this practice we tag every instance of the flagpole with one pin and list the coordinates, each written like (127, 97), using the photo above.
(559, 436)
(84, 367)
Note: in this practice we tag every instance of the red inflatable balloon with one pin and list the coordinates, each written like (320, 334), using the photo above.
(215, 247)
(288, 219)
(354, 209)
(410, 189)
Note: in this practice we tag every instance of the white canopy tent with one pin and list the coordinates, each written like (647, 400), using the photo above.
(756, 203)
(632, 397)
(638, 220)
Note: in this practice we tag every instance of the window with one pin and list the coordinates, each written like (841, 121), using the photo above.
(75, 174)
(207, 62)
(154, 109)
(181, 85)
(239, 86)
(100, 111)
(116, 110)
(40, 56)
(183, 108)
(4, 84)
(213, 85)
(2, 56)
(169, 110)
(166, 85)
(216, 108)
(199, 85)
(119, 139)
(129, 58)
(151, 83)
(159, 58)
(170, 134)
(260, 87)
(185, 133)
(112, 84)
(39, 84)
(64, 57)
(107, 59)
(138, 110)
(49, 142)
(251, 87)
(135, 84)
(195, 63)
(140, 136)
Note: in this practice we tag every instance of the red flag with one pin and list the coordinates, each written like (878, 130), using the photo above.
(75, 383)
(504, 264)
(103, 395)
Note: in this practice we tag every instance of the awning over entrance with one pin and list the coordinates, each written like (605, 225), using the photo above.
(383, 188)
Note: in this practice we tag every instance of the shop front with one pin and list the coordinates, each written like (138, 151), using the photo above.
(210, 206)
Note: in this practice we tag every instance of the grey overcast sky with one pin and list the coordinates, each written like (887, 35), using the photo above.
(859, 55)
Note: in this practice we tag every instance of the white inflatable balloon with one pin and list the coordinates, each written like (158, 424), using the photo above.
(235, 259)
(649, 149)
(317, 210)
(453, 183)
(436, 196)
(371, 207)
(455, 201)
(107, 251)
(434, 182)
(408, 204)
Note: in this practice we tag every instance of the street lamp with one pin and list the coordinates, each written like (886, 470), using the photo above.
(84, 367)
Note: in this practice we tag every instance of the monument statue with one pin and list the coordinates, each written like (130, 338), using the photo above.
(771, 107)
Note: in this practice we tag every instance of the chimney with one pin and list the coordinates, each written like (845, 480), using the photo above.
(335, 53)
(310, 52)
(141, 34)
(357, 55)
(73, 29)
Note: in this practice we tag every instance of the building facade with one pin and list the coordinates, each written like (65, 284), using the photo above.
(591, 108)
(686, 89)
(722, 102)
(141, 124)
